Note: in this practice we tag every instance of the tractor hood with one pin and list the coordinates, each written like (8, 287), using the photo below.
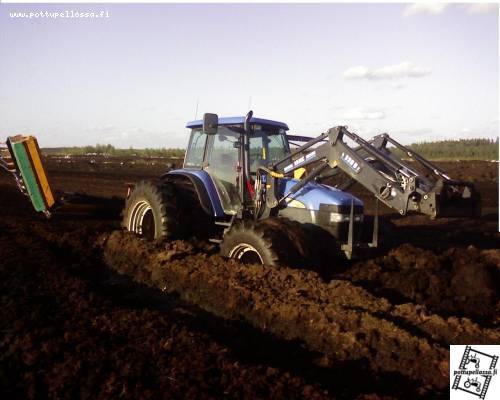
(313, 195)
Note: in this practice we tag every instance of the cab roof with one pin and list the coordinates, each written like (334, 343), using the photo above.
(239, 121)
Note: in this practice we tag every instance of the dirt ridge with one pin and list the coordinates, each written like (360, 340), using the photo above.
(338, 319)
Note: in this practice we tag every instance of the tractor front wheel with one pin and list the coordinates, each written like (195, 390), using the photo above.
(257, 243)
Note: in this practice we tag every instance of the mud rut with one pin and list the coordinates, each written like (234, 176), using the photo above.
(71, 328)
(337, 319)
(90, 311)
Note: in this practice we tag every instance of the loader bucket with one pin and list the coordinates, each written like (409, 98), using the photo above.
(456, 199)
(25, 163)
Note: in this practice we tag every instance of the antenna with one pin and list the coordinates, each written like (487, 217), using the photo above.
(196, 111)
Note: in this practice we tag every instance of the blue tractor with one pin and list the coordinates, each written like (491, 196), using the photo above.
(243, 187)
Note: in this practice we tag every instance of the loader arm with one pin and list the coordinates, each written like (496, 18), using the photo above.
(391, 180)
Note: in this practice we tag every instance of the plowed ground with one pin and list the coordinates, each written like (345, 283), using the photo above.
(89, 311)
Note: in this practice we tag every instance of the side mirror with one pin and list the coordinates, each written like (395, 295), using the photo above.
(210, 123)
(246, 124)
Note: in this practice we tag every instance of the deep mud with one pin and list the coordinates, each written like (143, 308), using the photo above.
(340, 320)
(90, 311)
(462, 281)
(71, 329)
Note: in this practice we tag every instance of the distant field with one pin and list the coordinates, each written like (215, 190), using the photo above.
(464, 149)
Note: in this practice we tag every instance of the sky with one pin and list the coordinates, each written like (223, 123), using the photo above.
(135, 76)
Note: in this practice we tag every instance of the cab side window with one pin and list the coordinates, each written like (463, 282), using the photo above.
(196, 149)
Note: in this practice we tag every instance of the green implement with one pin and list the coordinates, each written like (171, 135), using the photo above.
(22, 158)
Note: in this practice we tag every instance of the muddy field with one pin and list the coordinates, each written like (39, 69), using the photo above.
(89, 311)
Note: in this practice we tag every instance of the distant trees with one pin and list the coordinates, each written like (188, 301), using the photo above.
(463, 149)
(110, 150)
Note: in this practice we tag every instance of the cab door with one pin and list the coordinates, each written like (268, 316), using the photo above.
(223, 165)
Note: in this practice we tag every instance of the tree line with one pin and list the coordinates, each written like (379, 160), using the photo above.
(110, 150)
(462, 149)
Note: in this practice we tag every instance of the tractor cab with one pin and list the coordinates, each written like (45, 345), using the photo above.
(231, 150)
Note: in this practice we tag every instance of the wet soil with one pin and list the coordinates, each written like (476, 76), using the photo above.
(90, 311)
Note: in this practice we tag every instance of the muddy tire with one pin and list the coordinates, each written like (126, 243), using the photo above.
(257, 243)
(151, 210)
(314, 247)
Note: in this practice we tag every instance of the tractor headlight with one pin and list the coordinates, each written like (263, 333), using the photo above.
(337, 217)
(358, 217)
(295, 203)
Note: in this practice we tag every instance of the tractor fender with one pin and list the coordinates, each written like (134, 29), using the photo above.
(204, 187)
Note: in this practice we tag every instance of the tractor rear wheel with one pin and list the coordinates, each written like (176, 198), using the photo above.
(151, 210)
(253, 242)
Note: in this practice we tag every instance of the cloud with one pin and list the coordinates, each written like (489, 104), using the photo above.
(362, 129)
(358, 113)
(357, 72)
(480, 8)
(424, 8)
(413, 134)
(406, 69)
(101, 128)
(434, 8)
(397, 85)
(149, 108)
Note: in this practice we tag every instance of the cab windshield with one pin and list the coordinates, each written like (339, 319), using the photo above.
(267, 145)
